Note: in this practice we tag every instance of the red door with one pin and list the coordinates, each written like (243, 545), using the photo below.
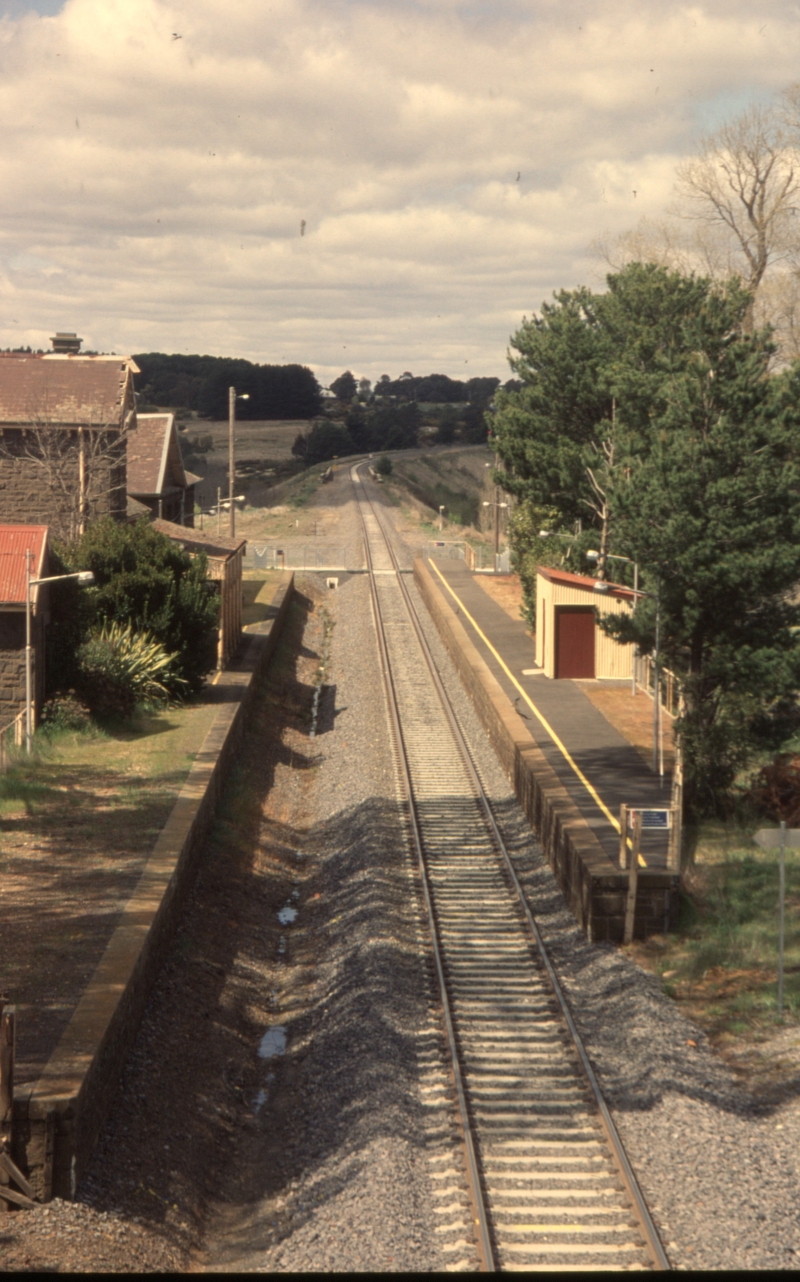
(574, 641)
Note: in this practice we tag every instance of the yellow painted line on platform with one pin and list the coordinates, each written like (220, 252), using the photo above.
(561, 747)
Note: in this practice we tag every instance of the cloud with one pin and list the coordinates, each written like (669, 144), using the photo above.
(152, 189)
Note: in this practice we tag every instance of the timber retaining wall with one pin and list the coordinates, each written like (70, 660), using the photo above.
(594, 887)
(56, 1124)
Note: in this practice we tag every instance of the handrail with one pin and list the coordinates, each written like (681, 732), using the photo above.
(18, 722)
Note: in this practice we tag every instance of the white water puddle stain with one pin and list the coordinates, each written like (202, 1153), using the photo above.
(287, 915)
(273, 1042)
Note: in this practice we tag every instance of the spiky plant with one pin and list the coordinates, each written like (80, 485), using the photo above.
(121, 668)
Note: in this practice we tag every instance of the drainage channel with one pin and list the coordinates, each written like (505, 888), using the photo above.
(551, 1186)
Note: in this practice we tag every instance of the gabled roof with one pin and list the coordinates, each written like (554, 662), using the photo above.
(214, 545)
(154, 456)
(15, 541)
(70, 390)
(569, 580)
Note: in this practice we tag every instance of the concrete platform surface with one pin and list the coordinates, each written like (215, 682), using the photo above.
(599, 768)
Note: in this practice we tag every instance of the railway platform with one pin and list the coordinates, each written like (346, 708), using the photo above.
(597, 765)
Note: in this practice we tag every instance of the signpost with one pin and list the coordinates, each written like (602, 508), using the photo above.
(772, 839)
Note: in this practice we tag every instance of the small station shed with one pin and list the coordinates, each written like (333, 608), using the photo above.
(569, 642)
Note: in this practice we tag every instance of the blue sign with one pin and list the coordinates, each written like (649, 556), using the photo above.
(653, 819)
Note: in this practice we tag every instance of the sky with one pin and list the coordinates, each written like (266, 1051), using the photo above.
(348, 184)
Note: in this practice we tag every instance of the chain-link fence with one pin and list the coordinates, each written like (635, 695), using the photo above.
(296, 556)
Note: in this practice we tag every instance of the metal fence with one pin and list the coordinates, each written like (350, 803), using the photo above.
(294, 556)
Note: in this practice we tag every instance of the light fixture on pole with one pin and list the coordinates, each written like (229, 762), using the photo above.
(85, 579)
(233, 397)
(497, 506)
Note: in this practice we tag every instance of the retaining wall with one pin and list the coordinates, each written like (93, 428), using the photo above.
(594, 887)
(57, 1123)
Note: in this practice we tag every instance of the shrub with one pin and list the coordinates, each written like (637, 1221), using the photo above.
(776, 789)
(384, 465)
(66, 712)
(145, 580)
(120, 669)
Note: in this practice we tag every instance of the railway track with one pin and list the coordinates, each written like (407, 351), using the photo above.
(550, 1184)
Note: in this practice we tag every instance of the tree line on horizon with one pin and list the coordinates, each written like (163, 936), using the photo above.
(199, 384)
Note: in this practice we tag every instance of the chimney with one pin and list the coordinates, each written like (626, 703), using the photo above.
(66, 344)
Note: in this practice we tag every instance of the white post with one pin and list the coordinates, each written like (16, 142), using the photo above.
(635, 591)
(231, 463)
(28, 683)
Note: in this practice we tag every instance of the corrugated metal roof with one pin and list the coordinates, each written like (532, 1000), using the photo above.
(15, 541)
(216, 545)
(74, 390)
(571, 580)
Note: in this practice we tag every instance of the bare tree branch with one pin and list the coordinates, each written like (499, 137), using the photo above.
(746, 182)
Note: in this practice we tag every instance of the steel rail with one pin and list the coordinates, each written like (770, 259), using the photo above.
(485, 1247)
(626, 1173)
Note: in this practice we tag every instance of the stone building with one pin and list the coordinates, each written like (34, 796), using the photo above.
(15, 542)
(157, 479)
(63, 425)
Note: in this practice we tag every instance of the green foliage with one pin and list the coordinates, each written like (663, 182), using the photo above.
(119, 669)
(201, 383)
(384, 465)
(66, 712)
(704, 490)
(344, 387)
(145, 580)
(326, 440)
(531, 547)
(384, 427)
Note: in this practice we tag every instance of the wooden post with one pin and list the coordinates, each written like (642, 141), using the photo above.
(623, 837)
(7, 1024)
(633, 879)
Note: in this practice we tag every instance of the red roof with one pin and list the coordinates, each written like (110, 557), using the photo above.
(568, 580)
(15, 541)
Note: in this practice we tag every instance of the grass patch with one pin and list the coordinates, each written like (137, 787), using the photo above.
(150, 753)
(722, 962)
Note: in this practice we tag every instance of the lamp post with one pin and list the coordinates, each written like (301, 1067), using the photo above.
(496, 505)
(592, 555)
(233, 397)
(85, 578)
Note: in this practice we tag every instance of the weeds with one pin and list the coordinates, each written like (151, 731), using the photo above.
(721, 963)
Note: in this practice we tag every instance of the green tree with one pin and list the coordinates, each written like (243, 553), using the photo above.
(344, 387)
(541, 431)
(327, 440)
(142, 579)
(384, 465)
(700, 481)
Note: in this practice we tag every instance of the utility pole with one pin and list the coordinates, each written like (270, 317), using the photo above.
(28, 664)
(657, 688)
(231, 463)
